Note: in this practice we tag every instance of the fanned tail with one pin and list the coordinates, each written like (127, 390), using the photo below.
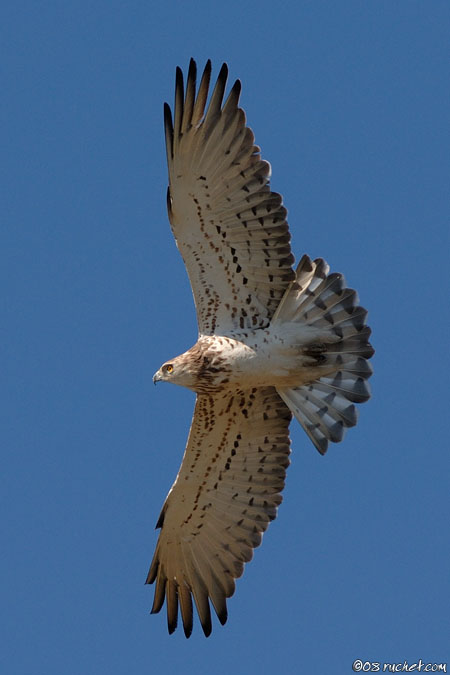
(322, 302)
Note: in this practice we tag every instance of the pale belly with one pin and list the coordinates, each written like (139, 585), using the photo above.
(264, 357)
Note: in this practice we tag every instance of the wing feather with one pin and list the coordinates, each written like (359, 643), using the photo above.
(215, 105)
(200, 102)
(225, 495)
(168, 130)
(179, 107)
(190, 97)
(160, 593)
(220, 205)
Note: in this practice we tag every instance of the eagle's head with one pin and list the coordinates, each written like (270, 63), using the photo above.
(202, 368)
(178, 370)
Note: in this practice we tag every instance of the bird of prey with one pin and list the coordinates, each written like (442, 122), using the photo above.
(273, 343)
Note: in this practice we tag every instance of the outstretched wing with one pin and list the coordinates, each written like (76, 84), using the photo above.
(226, 493)
(229, 227)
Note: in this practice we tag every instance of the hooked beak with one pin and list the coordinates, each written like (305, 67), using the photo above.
(157, 377)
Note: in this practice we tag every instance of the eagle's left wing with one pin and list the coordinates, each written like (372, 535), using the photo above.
(226, 493)
(229, 227)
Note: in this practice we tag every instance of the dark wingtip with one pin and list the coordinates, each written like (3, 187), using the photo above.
(223, 74)
(187, 630)
(169, 210)
(207, 71)
(151, 576)
(178, 75)
(160, 520)
(207, 627)
(171, 626)
(223, 616)
(237, 88)
(192, 72)
(168, 131)
(167, 114)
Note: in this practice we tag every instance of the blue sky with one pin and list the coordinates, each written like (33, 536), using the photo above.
(349, 102)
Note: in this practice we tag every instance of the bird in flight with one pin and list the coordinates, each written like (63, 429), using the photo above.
(273, 343)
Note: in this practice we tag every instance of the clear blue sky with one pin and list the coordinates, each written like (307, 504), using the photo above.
(350, 103)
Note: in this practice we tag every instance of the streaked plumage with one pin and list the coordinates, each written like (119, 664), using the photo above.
(272, 343)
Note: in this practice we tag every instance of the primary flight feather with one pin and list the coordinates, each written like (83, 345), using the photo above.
(272, 342)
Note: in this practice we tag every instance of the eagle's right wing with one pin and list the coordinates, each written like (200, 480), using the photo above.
(226, 493)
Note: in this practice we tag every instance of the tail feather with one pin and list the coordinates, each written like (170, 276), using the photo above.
(325, 406)
(319, 420)
(345, 383)
(358, 344)
(354, 364)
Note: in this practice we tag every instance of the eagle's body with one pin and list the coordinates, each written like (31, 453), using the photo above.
(280, 356)
(273, 342)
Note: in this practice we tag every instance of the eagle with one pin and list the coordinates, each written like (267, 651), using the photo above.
(273, 343)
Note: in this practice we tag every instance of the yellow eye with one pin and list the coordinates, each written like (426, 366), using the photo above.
(169, 368)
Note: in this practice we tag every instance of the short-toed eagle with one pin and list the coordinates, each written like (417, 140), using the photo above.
(273, 342)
